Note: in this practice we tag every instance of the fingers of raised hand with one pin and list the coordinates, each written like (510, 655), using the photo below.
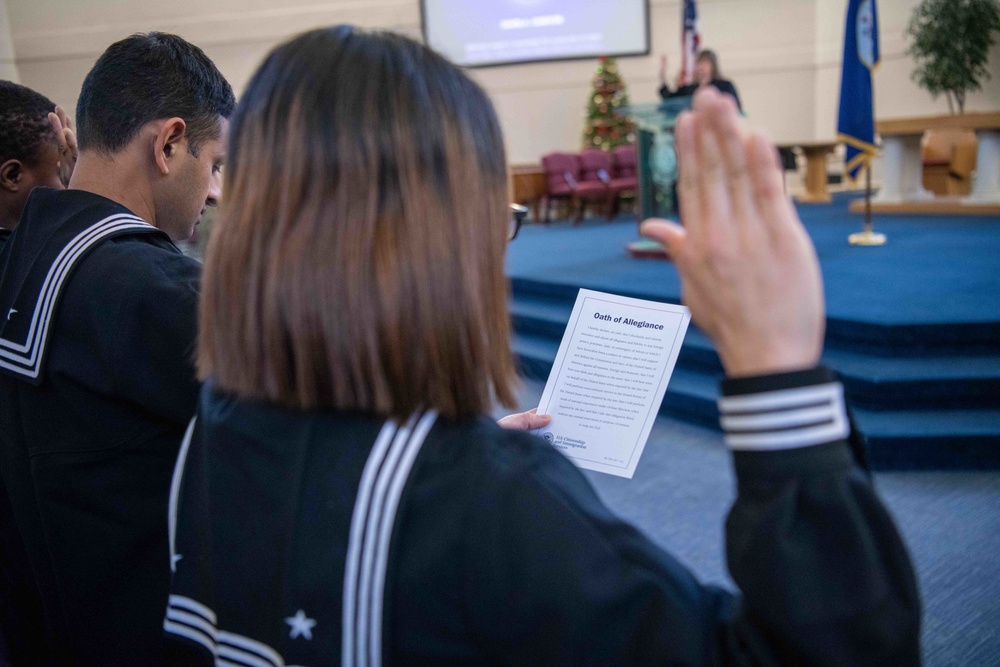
(689, 170)
(63, 129)
(773, 204)
(59, 120)
(714, 197)
(724, 121)
(704, 198)
(70, 137)
(67, 123)
(56, 123)
(669, 234)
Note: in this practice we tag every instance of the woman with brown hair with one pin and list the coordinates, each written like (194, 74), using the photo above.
(340, 497)
(706, 73)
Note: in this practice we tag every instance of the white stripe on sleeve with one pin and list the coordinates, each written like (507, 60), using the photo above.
(785, 419)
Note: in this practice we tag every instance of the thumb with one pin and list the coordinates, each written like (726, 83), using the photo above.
(667, 233)
(524, 421)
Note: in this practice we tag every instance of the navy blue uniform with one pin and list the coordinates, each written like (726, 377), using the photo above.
(96, 386)
(333, 538)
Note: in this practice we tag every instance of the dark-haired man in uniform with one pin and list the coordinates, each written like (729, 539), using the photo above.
(97, 323)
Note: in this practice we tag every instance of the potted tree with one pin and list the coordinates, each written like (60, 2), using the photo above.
(951, 46)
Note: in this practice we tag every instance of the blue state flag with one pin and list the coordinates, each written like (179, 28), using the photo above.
(856, 120)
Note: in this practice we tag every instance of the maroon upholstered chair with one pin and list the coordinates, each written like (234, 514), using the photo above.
(625, 172)
(596, 166)
(564, 178)
(625, 175)
(562, 170)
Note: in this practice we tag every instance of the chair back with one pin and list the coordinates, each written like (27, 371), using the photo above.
(556, 166)
(596, 165)
(625, 161)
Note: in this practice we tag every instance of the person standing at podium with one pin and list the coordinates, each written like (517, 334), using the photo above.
(706, 73)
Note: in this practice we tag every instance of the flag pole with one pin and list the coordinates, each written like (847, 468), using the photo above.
(868, 197)
(856, 118)
(867, 237)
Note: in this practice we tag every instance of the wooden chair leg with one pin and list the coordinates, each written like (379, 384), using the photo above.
(545, 210)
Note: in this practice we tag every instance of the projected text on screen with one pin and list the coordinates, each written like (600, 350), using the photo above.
(475, 33)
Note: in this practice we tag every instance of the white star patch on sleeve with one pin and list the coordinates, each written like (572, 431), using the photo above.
(301, 625)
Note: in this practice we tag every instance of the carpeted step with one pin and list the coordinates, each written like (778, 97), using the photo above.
(908, 340)
(934, 380)
(693, 396)
(903, 339)
(540, 316)
(923, 439)
(535, 355)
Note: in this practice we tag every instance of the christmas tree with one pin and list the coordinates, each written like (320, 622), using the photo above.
(606, 125)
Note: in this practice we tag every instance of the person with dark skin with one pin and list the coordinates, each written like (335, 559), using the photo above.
(706, 73)
(37, 148)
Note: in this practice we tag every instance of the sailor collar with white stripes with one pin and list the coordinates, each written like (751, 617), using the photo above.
(23, 341)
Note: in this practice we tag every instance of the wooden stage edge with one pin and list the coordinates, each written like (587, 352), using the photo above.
(928, 207)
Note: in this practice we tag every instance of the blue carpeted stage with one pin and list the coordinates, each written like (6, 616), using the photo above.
(913, 326)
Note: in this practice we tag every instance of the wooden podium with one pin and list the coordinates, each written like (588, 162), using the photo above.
(815, 153)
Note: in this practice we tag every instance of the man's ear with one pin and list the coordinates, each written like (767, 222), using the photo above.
(170, 140)
(11, 175)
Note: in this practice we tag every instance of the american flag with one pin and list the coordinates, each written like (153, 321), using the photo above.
(689, 39)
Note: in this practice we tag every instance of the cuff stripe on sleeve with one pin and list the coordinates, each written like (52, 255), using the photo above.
(785, 419)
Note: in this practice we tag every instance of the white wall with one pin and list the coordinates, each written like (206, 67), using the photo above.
(8, 68)
(783, 55)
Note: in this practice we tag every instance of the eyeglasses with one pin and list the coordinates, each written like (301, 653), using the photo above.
(518, 214)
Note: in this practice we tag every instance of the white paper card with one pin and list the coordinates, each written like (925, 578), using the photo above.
(609, 377)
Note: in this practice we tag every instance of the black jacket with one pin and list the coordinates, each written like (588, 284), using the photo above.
(96, 387)
(723, 85)
(331, 538)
